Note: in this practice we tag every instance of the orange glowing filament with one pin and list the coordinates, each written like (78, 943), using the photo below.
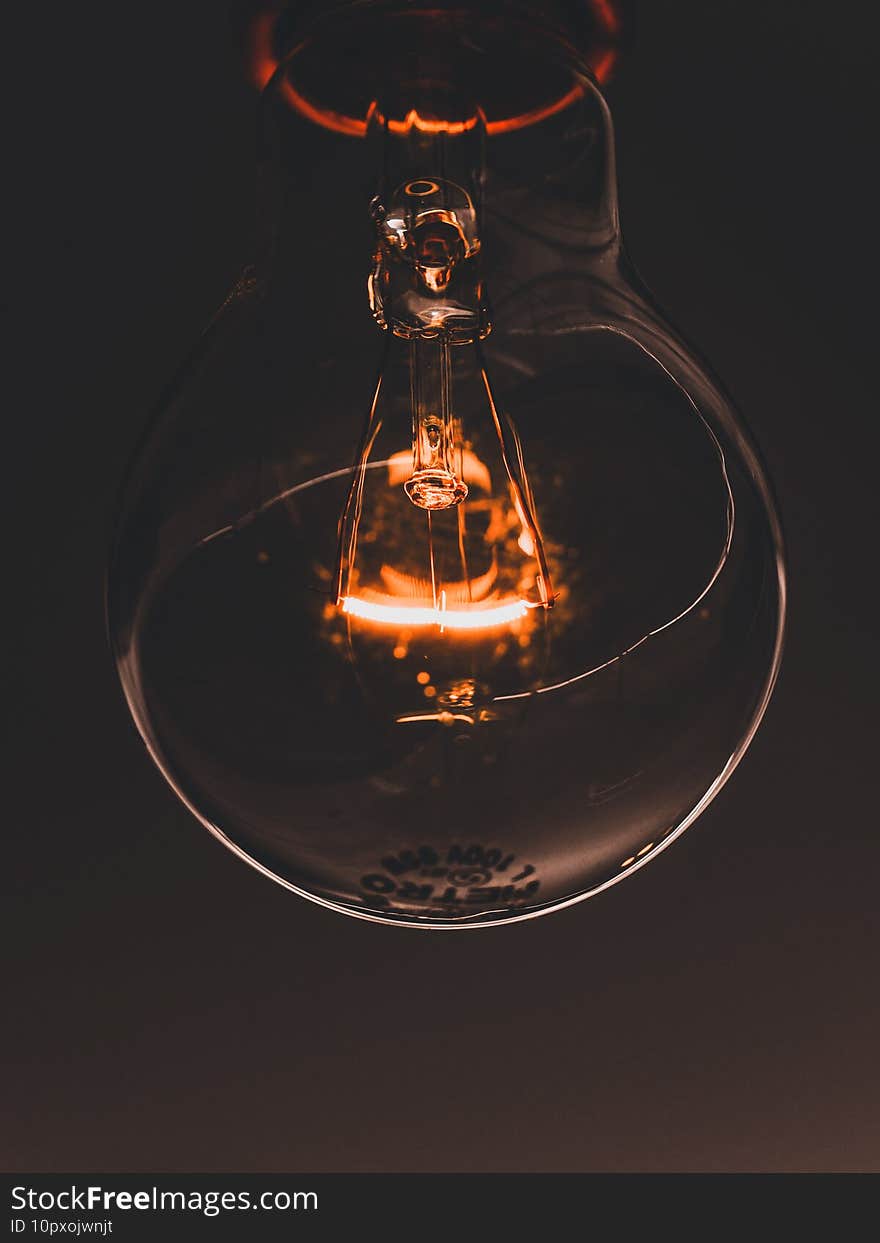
(405, 616)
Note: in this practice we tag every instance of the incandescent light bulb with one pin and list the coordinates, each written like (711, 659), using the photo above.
(447, 587)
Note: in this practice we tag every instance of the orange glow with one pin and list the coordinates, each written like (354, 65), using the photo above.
(466, 589)
(445, 718)
(413, 120)
(473, 471)
(342, 124)
(606, 15)
(322, 116)
(508, 124)
(264, 62)
(405, 616)
(602, 65)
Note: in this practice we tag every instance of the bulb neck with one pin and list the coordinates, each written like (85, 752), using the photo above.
(479, 139)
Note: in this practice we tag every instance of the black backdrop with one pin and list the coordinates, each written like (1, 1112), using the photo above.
(168, 1008)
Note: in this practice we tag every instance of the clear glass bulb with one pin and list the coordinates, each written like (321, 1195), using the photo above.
(447, 587)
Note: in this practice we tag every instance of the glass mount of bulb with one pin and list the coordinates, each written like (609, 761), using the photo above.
(425, 288)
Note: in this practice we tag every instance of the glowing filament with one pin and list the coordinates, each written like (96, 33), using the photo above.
(448, 619)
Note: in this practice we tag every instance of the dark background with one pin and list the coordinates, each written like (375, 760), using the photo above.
(170, 1009)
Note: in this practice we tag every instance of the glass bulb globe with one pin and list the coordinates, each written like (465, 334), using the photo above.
(447, 587)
